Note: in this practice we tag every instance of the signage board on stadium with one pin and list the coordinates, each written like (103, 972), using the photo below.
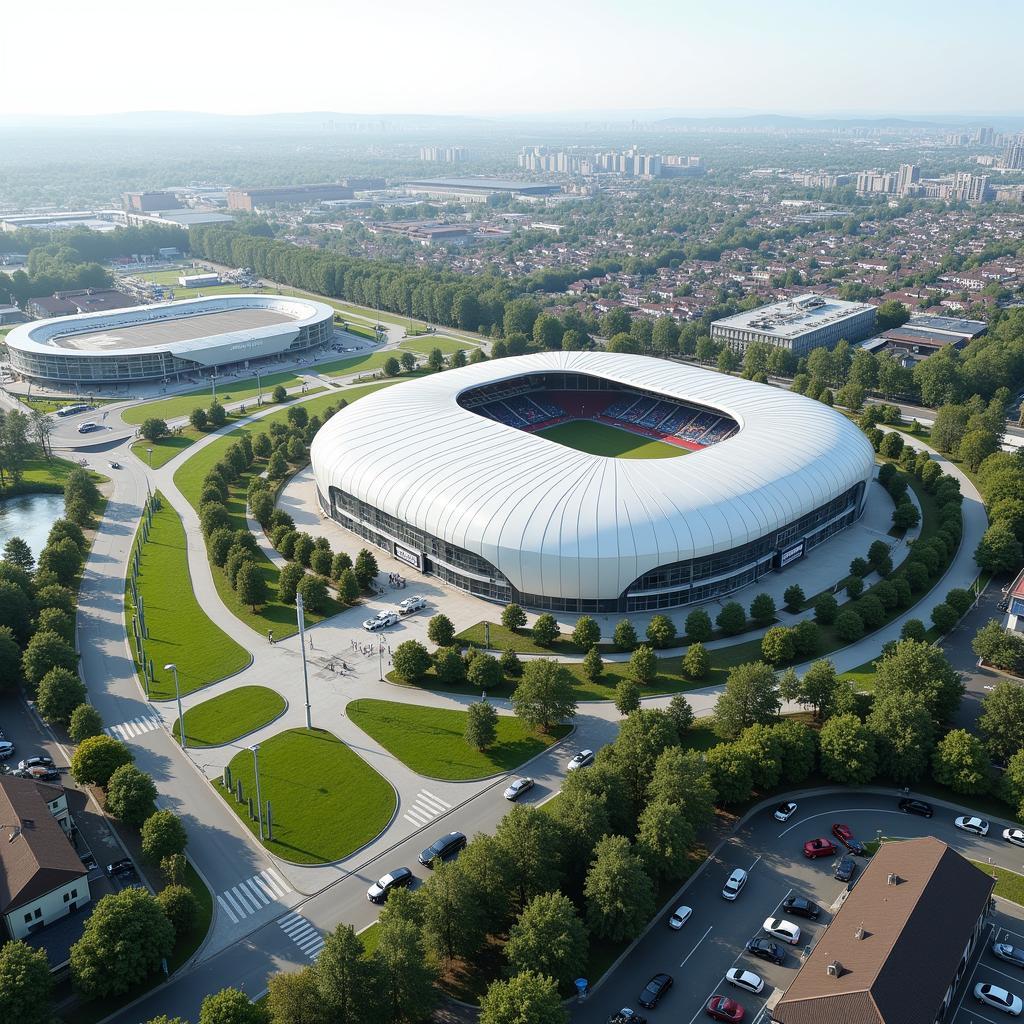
(791, 554)
(409, 557)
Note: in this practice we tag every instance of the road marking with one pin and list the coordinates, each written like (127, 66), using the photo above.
(694, 950)
(425, 808)
(253, 894)
(302, 933)
(1006, 931)
(1002, 974)
(754, 865)
(968, 985)
(135, 727)
(835, 814)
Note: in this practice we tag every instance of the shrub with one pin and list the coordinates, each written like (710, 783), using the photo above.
(163, 835)
(849, 626)
(698, 625)
(661, 631)
(314, 594)
(85, 722)
(411, 661)
(545, 630)
(180, 907)
(944, 617)
(826, 608)
(625, 635)
(131, 795)
(794, 598)
(732, 619)
(778, 645)
(762, 609)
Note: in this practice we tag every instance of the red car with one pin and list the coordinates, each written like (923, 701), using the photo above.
(845, 835)
(724, 1008)
(819, 848)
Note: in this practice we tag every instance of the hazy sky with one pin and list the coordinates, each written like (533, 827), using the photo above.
(517, 56)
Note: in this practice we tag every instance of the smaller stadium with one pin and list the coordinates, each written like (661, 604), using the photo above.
(169, 340)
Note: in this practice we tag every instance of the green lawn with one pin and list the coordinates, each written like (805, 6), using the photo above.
(231, 715)
(53, 404)
(42, 474)
(430, 740)
(187, 943)
(1009, 884)
(326, 801)
(167, 447)
(227, 391)
(353, 364)
(426, 344)
(179, 630)
(611, 442)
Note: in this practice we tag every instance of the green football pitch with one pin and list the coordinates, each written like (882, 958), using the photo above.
(602, 439)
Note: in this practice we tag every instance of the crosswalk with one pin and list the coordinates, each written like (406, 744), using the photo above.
(425, 808)
(302, 933)
(135, 727)
(253, 894)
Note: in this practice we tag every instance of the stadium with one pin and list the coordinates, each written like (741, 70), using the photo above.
(167, 340)
(591, 481)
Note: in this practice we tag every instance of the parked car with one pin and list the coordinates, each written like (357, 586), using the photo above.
(411, 604)
(380, 621)
(801, 907)
(920, 807)
(785, 811)
(723, 1008)
(1014, 835)
(581, 760)
(845, 835)
(6, 749)
(998, 998)
(518, 788)
(765, 949)
(679, 917)
(655, 990)
(734, 884)
(780, 928)
(121, 868)
(845, 869)
(88, 428)
(39, 772)
(443, 848)
(746, 980)
(819, 848)
(381, 889)
(39, 761)
(973, 824)
(1011, 954)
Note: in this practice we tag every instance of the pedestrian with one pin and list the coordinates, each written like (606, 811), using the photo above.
(270, 636)
(311, 641)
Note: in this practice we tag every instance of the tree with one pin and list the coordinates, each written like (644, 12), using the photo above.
(999, 550)
(762, 609)
(619, 893)
(680, 777)
(279, 394)
(454, 922)
(698, 626)
(153, 429)
(763, 748)
(484, 672)
(847, 750)
(365, 568)
(408, 361)
(818, 688)
(962, 763)
(277, 466)
(181, 907)
(406, 992)
(251, 585)
(198, 419)
(60, 692)
(732, 619)
(904, 736)
(261, 505)
(344, 978)
(292, 998)
(731, 772)
(511, 666)
(97, 758)
(25, 984)
(545, 630)
(513, 617)
(548, 937)
(230, 1006)
(411, 661)
(46, 651)
(481, 724)
(131, 795)
(524, 997)
(661, 631)
(751, 695)
(778, 645)
(1002, 719)
(642, 737)
(826, 608)
(163, 835)
(696, 661)
(665, 837)
(944, 617)
(849, 626)
(625, 635)
(528, 840)
(794, 598)
(586, 633)
(798, 750)
(348, 587)
(18, 553)
(85, 722)
(124, 939)
(314, 593)
(544, 694)
(593, 665)
(627, 696)
(10, 660)
(905, 515)
(392, 367)
(440, 630)
(915, 667)
(681, 714)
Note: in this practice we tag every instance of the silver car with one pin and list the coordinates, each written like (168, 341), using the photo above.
(746, 980)
(518, 788)
(734, 884)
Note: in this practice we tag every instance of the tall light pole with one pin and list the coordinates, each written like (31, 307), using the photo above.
(302, 647)
(177, 694)
(380, 656)
(256, 770)
(259, 389)
(150, 453)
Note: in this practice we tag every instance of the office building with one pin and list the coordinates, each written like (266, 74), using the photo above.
(285, 195)
(1013, 158)
(150, 202)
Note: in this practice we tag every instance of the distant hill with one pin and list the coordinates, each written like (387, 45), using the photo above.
(789, 121)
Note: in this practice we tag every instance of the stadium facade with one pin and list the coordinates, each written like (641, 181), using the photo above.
(448, 475)
(167, 340)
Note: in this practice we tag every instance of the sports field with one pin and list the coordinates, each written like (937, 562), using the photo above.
(602, 439)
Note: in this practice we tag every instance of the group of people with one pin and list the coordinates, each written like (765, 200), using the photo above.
(397, 581)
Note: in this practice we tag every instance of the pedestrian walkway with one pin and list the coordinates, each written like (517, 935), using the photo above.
(302, 933)
(252, 895)
(135, 727)
(425, 808)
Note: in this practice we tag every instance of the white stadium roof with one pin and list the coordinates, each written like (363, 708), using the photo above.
(557, 521)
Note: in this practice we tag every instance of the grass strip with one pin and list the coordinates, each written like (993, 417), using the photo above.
(231, 715)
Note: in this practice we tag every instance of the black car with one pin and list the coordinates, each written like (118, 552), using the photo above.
(765, 949)
(445, 847)
(916, 807)
(656, 988)
(845, 869)
(381, 889)
(801, 907)
(121, 868)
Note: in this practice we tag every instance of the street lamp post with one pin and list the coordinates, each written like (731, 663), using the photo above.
(259, 390)
(177, 694)
(302, 647)
(256, 770)
(380, 657)
(149, 452)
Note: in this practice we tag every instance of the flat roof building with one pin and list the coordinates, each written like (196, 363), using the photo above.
(150, 202)
(478, 190)
(286, 195)
(898, 947)
(800, 324)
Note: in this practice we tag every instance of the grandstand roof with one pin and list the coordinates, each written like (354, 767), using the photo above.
(558, 520)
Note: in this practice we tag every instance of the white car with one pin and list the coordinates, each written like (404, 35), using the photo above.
(380, 621)
(734, 884)
(680, 917)
(1014, 835)
(780, 928)
(998, 998)
(581, 760)
(6, 749)
(518, 788)
(975, 825)
(746, 980)
(411, 604)
(785, 811)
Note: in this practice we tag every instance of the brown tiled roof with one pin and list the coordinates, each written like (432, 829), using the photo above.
(913, 936)
(39, 858)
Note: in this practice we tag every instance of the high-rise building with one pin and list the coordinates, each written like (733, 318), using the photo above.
(970, 188)
(876, 182)
(444, 154)
(907, 176)
(1013, 158)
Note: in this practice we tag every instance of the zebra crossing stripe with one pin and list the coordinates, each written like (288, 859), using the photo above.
(425, 808)
(134, 727)
(253, 894)
(427, 797)
(302, 933)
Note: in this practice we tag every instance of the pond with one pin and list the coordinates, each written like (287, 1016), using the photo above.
(29, 516)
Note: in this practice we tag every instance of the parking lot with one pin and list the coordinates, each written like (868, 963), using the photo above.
(1007, 926)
